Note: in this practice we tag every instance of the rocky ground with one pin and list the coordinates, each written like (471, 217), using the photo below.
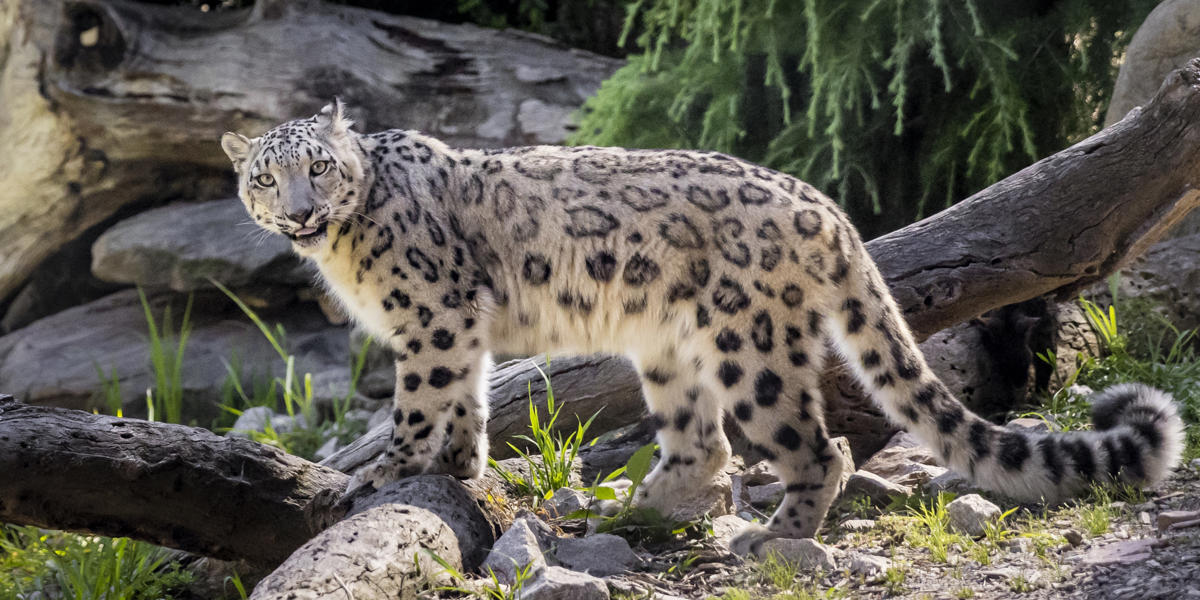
(1113, 544)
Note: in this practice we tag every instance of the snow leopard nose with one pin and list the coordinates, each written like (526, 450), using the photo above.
(300, 217)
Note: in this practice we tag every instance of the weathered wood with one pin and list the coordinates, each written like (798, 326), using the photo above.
(187, 488)
(177, 486)
(109, 102)
(604, 386)
(1057, 226)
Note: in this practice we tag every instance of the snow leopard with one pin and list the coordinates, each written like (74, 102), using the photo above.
(725, 283)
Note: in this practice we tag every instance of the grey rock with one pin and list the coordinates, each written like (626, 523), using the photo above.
(180, 246)
(877, 489)
(383, 414)
(557, 583)
(713, 500)
(1168, 275)
(327, 449)
(517, 549)
(970, 513)
(288, 424)
(759, 473)
(868, 565)
(54, 361)
(766, 495)
(904, 461)
(1029, 424)
(601, 554)
(725, 527)
(806, 553)
(858, 524)
(254, 418)
(951, 482)
(543, 123)
(564, 502)
(1074, 538)
(1168, 37)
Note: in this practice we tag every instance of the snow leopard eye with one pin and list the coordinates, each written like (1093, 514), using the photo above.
(319, 167)
(265, 180)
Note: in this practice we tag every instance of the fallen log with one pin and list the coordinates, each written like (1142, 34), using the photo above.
(189, 489)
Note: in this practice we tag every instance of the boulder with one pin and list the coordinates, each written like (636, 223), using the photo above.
(517, 549)
(557, 583)
(602, 554)
(564, 502)
(181, 245)
(55, 360)
(1166, 40)
(1168, 37)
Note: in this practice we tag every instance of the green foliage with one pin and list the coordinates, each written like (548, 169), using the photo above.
(891, 106)
(492, 589)
(551, 468)
(934, 532)
(166, 400)
(85, 567)
(1137, 344)
(297, 395)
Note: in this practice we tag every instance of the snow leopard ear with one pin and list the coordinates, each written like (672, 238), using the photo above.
(333, 119)
(237, 147)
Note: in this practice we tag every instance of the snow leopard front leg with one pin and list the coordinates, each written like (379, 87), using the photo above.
(440, 407)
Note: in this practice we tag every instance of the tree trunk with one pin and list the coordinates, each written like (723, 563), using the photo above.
(111, 102)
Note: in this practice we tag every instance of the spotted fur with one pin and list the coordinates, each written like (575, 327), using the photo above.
(723, 281)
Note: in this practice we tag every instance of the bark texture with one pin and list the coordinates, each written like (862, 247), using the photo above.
(111, 102)
(227, 498)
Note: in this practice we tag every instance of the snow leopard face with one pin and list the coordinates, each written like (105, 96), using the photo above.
(300, 177)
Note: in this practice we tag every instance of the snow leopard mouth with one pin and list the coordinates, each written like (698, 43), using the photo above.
(309, 236)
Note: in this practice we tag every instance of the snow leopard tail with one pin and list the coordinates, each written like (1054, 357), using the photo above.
(1137, 439)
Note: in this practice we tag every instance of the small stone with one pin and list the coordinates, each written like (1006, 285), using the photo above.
(1121, 552)
(868, 565)
(766, 495)
(1074, 538)
(1144, 517)
(904, 461)
(252, 419)
(951, 482)
(327, 449)
(970, 513)
(564, 502)
(805, 553)
(557, 583)
(879, 490)
(601, 555)
(725, 527)
(1019, 545)
(759, 473)
(1029, 424)
(858, 524)
(516, 549)
(288, 424)
(544, 123)
(714, 500)
(1167, 518)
